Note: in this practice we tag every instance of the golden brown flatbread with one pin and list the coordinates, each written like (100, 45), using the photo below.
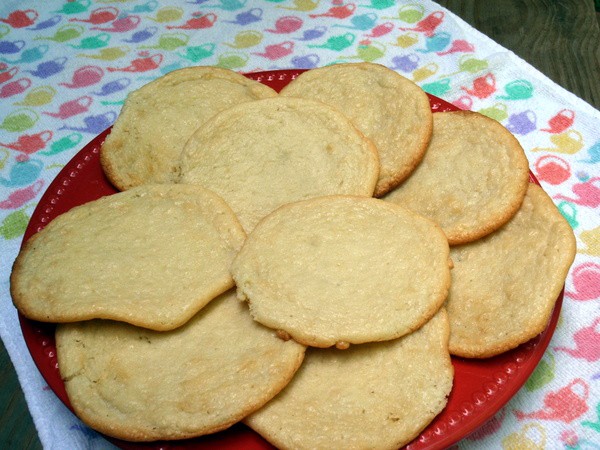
(472, 179)
(144, 144)
(142, 385)
(379, 395)
(340, 270)
(264, 154)
(505, 285)
(151, 256)
(388, 108)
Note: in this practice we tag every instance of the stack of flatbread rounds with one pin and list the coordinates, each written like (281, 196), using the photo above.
(143, 385)
(264, 154)
(388, 108)
(504, 286)
(340, 270)
(472, 179)
(246, 273)
(157, 120)
(151, 256)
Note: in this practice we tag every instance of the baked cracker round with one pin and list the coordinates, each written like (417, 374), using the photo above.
(157, 119)
(472, 179)
(342, 270)
(151, 256)
(378, 396)
(388, 108)
(505, 285)
(263, 154)
(142, 385)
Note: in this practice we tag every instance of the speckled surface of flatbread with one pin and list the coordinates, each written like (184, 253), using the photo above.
(158, 118)
(376, 396)
(341, 270)
(472, 179)
(264, 154)
(142, 385)
(504, 286)
(151, 256)
(388, 108)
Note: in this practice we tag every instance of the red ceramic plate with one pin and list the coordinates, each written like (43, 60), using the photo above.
(481, 387)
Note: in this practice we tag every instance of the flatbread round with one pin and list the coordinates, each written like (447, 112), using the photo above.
(151, 256)
(377, 396)
(342, 270)
(142, 385)
(157, 119)
(472, 179)
(388, 108)
(505, 285)
(261, 155)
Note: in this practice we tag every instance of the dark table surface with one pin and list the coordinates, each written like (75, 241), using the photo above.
(560, 38)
